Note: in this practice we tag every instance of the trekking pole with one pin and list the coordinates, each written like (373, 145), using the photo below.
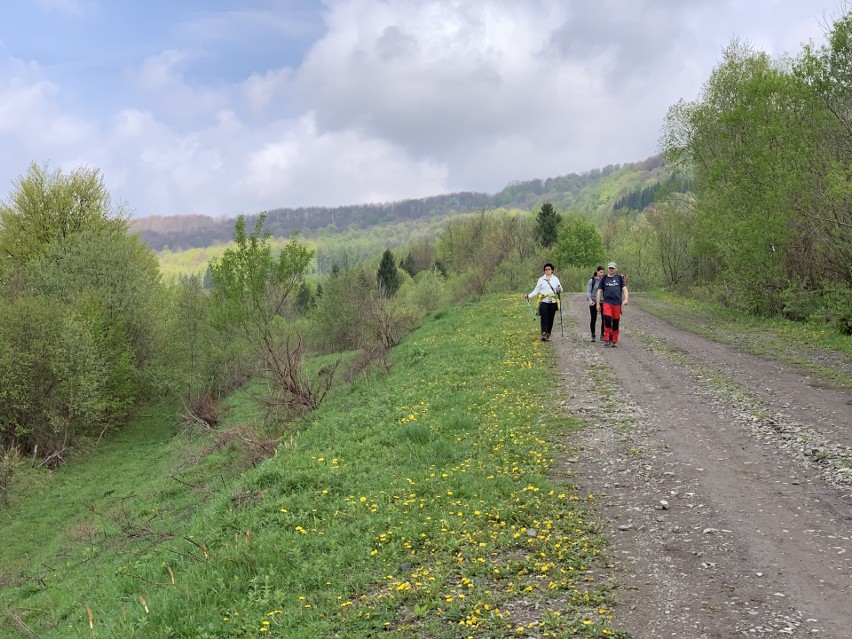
(561, 326)
(531, 311)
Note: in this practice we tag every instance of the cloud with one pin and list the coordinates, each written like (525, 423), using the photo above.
(497, 90)
(371, 100)
(306, 166)
(261, 90)
(161, 83)
(427, 74)
(33, 125)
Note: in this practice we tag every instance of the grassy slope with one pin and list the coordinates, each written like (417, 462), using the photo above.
(417, 504)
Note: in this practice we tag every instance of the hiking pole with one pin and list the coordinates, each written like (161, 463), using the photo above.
(561, 327)
(531, 312)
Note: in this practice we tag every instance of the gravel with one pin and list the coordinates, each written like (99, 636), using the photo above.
(723, 482)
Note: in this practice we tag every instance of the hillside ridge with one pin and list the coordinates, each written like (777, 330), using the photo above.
(582, 193)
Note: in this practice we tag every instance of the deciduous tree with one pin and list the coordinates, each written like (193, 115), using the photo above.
(579, 244)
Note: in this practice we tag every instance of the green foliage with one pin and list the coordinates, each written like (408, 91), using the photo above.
(579, 244)
(673, 222)
(336, 324)
(387, 276)
(111, 266)
(64, 374)
(635, 248)
(252, 301)
(515, 273)
(79, 320)
(421, 257)
(547, 225)
(768, 147)
(473, 247)
(425, 292)
(193, 360)
(305, 298)
(360, 525)
(10, 461)
(251, 288)
(46, 208)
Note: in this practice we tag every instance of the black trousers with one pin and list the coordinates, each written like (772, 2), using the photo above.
(593, 314)
(548, 314)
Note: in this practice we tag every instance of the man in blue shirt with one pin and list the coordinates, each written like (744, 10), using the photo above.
(611, 295)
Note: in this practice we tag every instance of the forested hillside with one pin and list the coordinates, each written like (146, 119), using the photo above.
(594, 194)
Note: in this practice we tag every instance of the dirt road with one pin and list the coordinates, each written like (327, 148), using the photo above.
(723, 481)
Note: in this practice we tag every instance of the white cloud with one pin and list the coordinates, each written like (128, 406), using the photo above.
(262, 89)
(309, 167)
(160, 81)
(395, 99)
(33, 125)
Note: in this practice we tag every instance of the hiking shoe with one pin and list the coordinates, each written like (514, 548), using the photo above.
(614, 345)
(593, 338)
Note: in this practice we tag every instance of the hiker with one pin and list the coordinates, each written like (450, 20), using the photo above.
(611, 295)
(547, 291)
(591, 289)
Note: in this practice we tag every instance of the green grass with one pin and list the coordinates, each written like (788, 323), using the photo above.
(421, 503)
(816, 349)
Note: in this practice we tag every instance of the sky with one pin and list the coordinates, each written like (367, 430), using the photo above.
(223, 107)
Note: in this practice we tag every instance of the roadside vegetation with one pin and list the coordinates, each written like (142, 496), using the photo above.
(816, 348)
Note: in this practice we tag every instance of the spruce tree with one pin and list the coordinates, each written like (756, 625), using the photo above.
(387, 275)
(547, 225)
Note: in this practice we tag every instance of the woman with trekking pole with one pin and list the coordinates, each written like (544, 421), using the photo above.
(546, 292)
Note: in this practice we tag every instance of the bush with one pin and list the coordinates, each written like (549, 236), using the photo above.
(425, 292)
(836, 309)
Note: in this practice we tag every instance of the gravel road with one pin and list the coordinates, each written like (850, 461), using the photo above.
(723, 482)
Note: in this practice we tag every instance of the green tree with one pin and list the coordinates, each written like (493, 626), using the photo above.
(47, 207)
(252, 293)
(387, 276)
(547, 225)
(192, 358)
(474, 246)
(78, 315)
(743, 145)
(421, 257)
(579, 244)
(337, 321)
(305, 298)
(673, 221)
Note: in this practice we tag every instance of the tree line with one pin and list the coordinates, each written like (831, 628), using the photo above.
(768, 150)
(573, 191)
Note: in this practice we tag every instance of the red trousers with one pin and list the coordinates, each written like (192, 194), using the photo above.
(611, 317)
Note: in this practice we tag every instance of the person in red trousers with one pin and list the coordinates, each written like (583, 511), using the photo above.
(611, 295)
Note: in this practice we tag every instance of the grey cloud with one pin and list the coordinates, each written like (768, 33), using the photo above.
(629, 42)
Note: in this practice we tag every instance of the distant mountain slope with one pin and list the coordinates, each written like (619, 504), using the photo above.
(593, 193)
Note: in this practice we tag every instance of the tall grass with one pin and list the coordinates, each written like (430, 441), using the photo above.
(421, 503)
